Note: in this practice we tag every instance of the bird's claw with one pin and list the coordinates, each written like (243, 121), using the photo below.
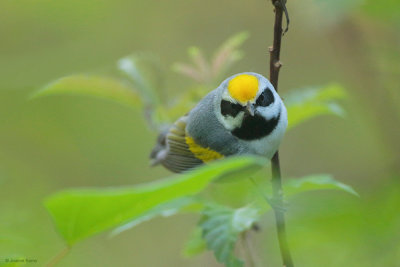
(282, 4)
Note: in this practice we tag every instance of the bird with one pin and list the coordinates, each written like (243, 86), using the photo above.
(244, 115)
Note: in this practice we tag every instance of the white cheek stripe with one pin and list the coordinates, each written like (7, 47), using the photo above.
(270, 111)
(231, 123)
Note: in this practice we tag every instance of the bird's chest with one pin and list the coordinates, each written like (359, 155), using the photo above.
(255, 127)
(263, 147)
(269, 133)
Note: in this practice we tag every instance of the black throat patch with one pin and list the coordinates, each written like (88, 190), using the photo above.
(255, 127)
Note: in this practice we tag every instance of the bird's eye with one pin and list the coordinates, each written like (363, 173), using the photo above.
(229, 108)
(266, 98)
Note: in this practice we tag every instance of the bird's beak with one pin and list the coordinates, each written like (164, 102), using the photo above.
(250, 108)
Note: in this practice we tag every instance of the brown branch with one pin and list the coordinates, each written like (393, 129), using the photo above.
(252, 259)
(275, 66)
(58, 257)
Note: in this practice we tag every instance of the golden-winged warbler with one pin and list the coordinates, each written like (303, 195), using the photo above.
(244, 115)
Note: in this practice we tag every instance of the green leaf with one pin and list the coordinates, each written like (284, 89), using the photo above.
(208, 73)
(164, 210)
(200, 61)
(303, 105)
(220, 228)
(93, 86)
(237, 175)
(196, 244)
(228, 54)
(200, 70)
(145, 72)
(315, 182)
(80, 213)
(188, 71)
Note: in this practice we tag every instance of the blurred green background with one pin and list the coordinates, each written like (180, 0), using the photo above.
(59, 142)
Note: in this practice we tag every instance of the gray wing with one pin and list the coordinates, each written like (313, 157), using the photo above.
(171, 149)
(205, 128)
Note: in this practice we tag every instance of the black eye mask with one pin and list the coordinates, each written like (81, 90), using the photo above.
(230, 109)
(266, 98)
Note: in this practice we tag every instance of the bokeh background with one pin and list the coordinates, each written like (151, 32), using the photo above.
(59, 142)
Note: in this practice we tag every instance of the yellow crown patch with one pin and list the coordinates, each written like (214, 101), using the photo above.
(243, 87)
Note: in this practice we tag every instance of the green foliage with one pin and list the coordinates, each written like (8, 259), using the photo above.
(92, 86)
(145, 72)
(305, 104)
(144, 86)
(81, 213)
(220, 225)
(52, 145)
(196, 244)
(207, 74)
(315, 182)
(363, 232)
(210, 72)
(220, 229)
(183, 204)
(228, 54)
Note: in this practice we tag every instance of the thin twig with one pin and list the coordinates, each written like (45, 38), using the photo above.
(59, 256)
(275, 65)
(255, 260)
(247, 250)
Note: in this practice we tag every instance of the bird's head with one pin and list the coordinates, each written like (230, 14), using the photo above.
(247, 96)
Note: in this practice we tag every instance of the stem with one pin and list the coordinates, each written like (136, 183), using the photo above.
(275, 66)
(279, 211)
(59, 256)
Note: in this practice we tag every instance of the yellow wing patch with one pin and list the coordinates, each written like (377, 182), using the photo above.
(204, 154)
(243, 87)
